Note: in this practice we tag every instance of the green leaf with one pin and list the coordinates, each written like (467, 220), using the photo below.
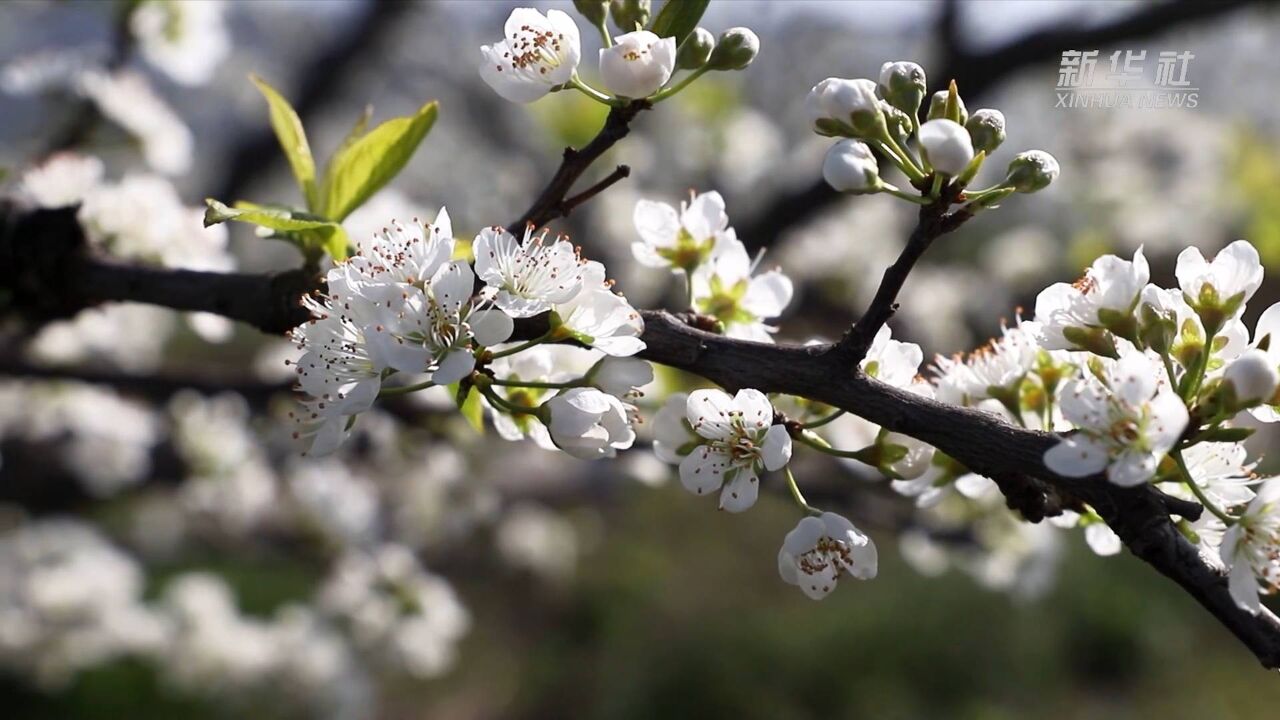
(311, 234)
(293, 140)
(280, 219)
(471, 406)
(678, 18)
(355, 133)
(363, 167)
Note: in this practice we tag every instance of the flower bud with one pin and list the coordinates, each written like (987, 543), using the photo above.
(629, 15)
(736, 49)
(695, 50)
(938, 107)
(986, 128)
(837, 106)
(1031, 171)
(638, 64)
(593, 10)
(902, 85)
(946, 145)
(1253, 377)
(850, 167)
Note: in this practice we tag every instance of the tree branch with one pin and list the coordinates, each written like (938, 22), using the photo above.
(46, 270)
(934, 221)
(551, 203)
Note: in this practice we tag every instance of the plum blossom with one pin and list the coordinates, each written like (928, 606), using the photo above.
(1128, 420)
(1267, 338)
(820, 550)
(673, 435)
(527, 277)
(726, 289)
(538, 52)
(846, 107)
(1228, 281)
(589, 424)
(891, 361)
(850, 167)
(638, 64)
(681, 240)
(946, 145)
(1251, 548)
(621, 377)
(1075, 316)
(601, 318)
(737, 440)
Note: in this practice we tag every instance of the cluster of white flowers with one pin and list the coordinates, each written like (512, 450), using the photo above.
(540, 54)
(403, 305)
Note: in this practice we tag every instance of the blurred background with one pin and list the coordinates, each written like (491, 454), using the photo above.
(166, 551)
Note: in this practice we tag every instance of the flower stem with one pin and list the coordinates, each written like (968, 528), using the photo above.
(503, 404)
(535, 384)
(894, 191)
(896, 154)
(668, 92)
(521, 347)
(799, 496)
(859, 455)
(1197, 491)
(823, 421)
(593, 93)
(603, 27)
(405, 389)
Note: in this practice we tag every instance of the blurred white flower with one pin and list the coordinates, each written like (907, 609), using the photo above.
(185, 39)
(126, 99)
(63, 180)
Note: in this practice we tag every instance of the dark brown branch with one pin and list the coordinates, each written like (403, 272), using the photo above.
(551, 202)
(934, 221)
(976, 73)
(619, 173)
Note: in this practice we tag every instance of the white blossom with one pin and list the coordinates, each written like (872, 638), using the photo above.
(1127, 422)
(1234, 275)
(673, 435)
(891, 361)
(621, 377)
(537, 53)
(600, 317)
(1251, 548)
(726, 289)
(680, 240)
(849, 166)
(1252, 376)
(1110, 289)
(589, 424)
(525, 278)
(839, 100)
(821, 549)
(738, 441)
(946, 145)
(638, 64)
